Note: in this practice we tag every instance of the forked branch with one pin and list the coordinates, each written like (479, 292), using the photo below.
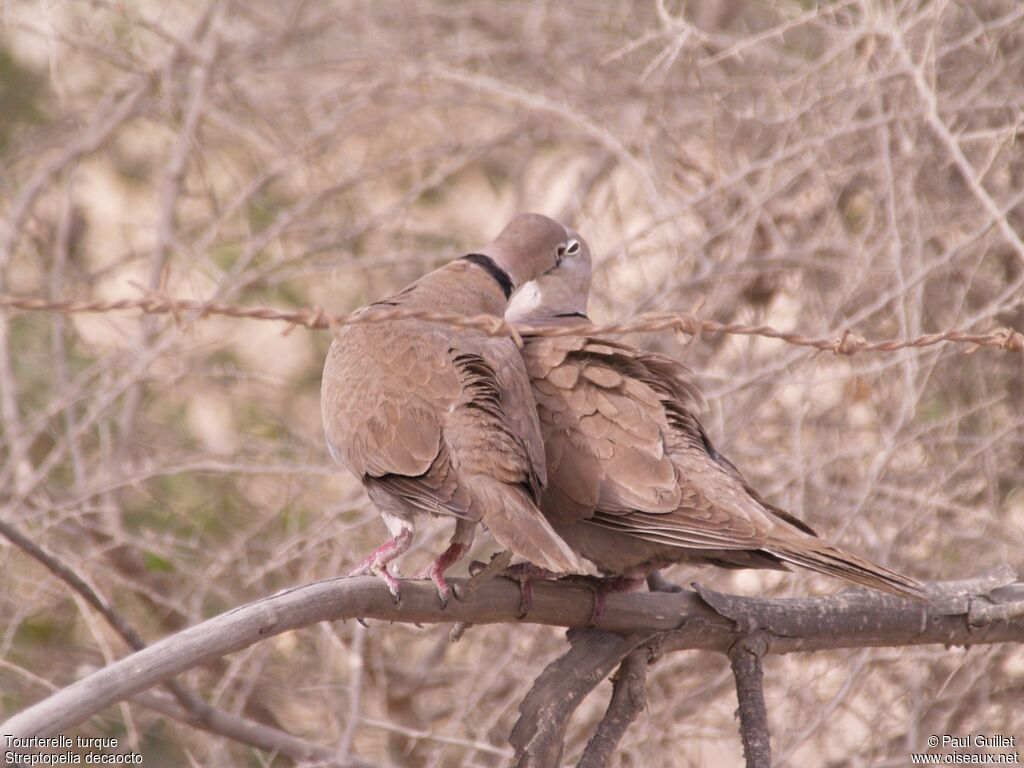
(989, 609)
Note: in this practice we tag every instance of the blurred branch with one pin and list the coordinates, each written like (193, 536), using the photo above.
(413, 733)
(73, 580)
(119, 107)
(249, 732)
(564, 113)
(703, 619)
(169, 199)
(109, 118)
(848, 343)
(927, 94)
(189, 708)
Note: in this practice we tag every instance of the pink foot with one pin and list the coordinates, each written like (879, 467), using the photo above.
(376, 564)
(524, 574)
(604, 586)
(435, 571)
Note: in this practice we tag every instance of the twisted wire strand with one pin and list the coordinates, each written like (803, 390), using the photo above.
(848, 343)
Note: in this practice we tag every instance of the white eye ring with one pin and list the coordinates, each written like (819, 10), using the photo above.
(572, 248)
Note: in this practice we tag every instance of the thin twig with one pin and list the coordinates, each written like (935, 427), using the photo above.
(195, 709)
(956, 153)
(247, 731)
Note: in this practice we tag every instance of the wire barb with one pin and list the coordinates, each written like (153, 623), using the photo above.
(849, 343)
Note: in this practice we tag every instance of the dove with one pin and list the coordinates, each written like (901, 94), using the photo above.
(634, 483)
(439, 419)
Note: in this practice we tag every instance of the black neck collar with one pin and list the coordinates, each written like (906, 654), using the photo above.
(501, 277)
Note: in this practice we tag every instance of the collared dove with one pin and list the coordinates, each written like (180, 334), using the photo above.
(437, 419)
(634, 483)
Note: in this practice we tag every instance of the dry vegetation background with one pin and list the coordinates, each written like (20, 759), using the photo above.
(815, 167)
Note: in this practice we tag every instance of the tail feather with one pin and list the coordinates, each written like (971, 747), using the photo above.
(816, 555)
(516, 524)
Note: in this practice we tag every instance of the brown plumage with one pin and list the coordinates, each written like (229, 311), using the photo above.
(441, 420)
(634, 483)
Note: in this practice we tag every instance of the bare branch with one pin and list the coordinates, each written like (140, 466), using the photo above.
(745, 657)
(927, 94)
(190, 707)
(851, 619)
(629, 697)
(539, 734)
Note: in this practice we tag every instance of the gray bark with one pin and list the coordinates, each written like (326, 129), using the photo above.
(989, 609)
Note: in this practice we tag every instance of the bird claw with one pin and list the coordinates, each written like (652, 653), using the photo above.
(394, 586)
(376, 564)
(602, 586)
(373, 567)
(435, 571)
(524, 574)
(444, 591)
(457, 592)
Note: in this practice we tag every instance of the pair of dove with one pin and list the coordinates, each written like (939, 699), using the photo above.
(576, 448)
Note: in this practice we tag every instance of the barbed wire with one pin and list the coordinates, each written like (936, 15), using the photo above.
(848, 343)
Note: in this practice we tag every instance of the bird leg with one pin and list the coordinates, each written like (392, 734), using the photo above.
(603, 586)
(376, 564)
(479, 574)
(523, 574)
(460, 543)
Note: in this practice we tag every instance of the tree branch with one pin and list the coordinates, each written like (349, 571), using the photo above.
(539, 734)
(745, 657)
(192, 707)
(688, 620)
(629, 697)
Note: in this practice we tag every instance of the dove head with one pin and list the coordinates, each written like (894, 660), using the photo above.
(561, 291)
(528, 246)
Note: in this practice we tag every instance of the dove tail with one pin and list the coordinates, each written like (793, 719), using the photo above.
(517, 525)
(816, 555)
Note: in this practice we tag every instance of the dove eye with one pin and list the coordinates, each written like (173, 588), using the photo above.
(569, 248)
